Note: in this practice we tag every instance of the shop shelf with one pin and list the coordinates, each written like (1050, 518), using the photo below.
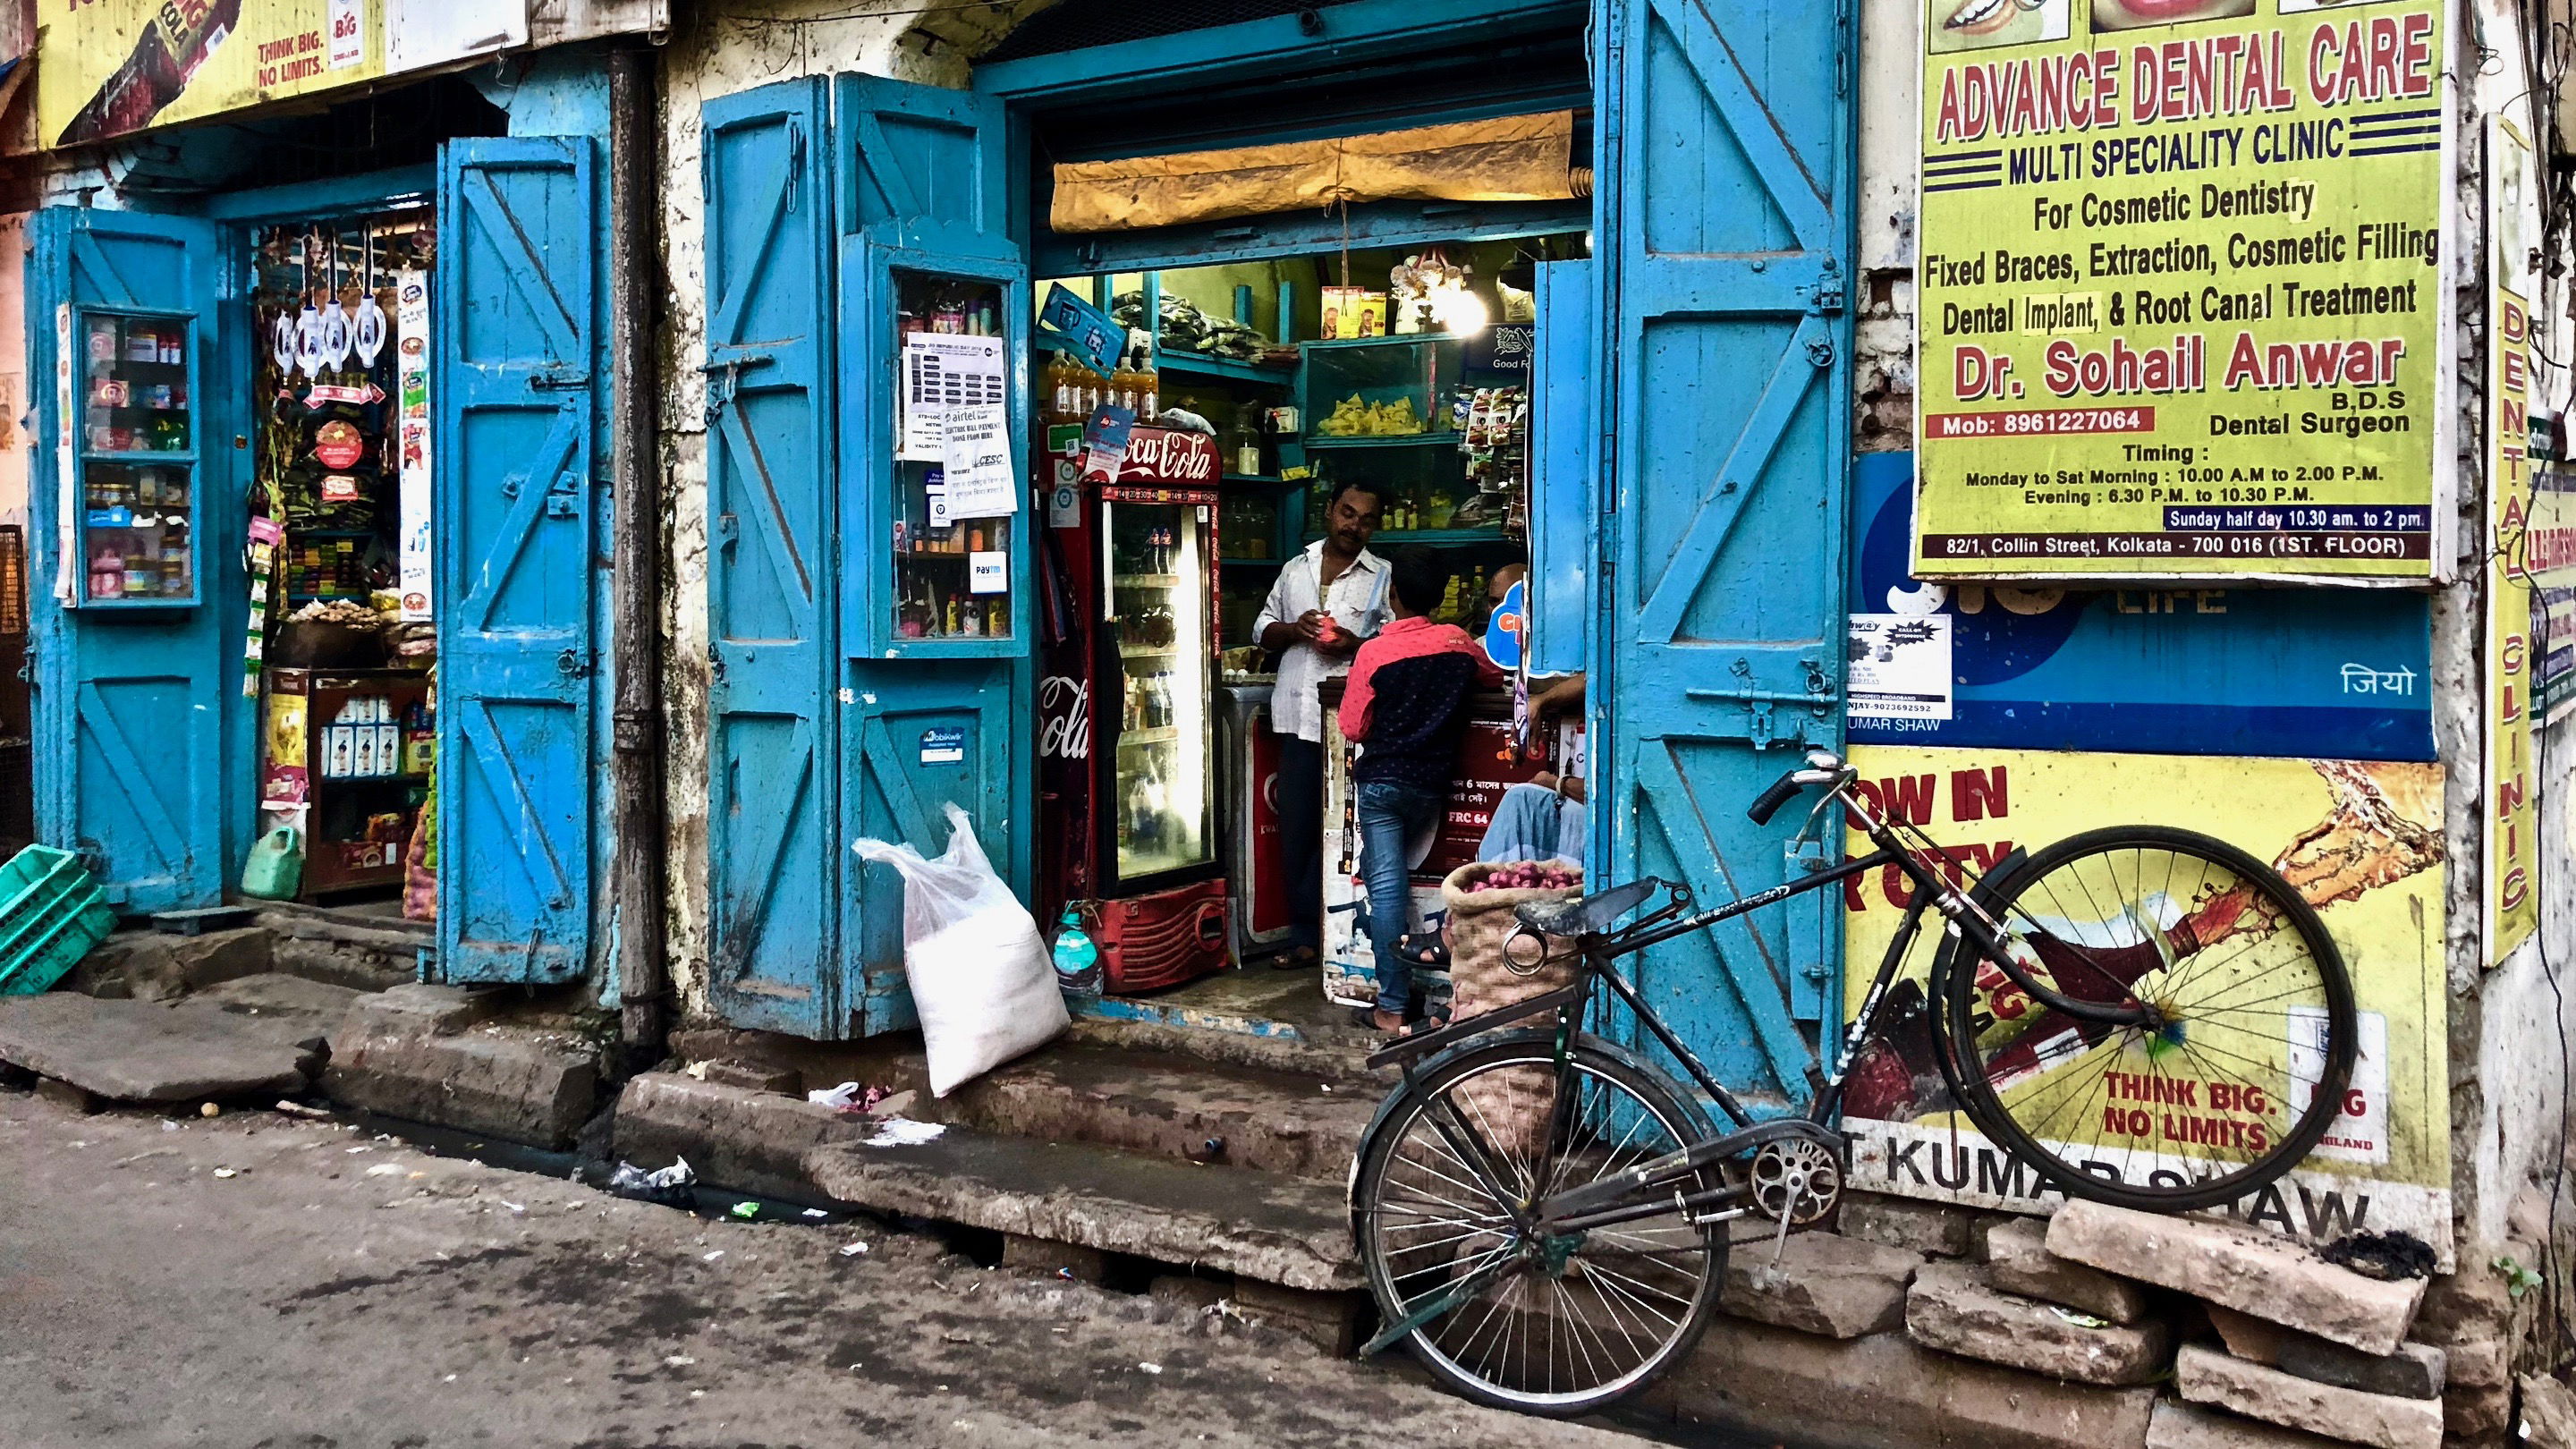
(51, 913)
(146, 459)
(1438, 535)
(1447, 437)
(1256, 480)
(1268, 563)
(1199, 364)
(1160, 735)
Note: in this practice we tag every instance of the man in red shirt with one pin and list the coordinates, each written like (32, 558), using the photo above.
(1406, 705)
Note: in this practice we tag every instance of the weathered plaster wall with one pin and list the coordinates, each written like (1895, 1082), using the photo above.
(711, 55)
(1883, 363)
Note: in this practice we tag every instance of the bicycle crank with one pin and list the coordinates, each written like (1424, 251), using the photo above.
(1796, 1182)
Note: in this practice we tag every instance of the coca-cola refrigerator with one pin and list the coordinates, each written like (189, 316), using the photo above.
(1127, 769)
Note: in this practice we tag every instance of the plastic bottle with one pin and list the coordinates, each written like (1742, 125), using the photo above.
(1077, 959)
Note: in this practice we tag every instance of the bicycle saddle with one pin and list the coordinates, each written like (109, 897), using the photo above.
(1587, 915)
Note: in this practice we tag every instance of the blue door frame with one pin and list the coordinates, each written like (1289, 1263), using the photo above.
(1722, 219)
(173, 676)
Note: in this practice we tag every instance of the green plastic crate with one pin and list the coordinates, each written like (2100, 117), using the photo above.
(51, 914)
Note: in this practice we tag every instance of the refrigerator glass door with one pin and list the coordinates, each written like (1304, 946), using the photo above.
(1156, 611)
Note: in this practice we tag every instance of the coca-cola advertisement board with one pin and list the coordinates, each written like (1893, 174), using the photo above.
(112, 67)
(1168, 455)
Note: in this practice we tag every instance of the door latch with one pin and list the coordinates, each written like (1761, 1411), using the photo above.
(572, 665)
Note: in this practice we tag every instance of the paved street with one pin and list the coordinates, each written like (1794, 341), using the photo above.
(259, 1280)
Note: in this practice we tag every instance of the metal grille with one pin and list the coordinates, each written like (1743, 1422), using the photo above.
(1076, 24)
(13, 579)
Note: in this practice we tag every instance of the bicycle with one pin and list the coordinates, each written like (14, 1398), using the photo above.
(1542, 1214)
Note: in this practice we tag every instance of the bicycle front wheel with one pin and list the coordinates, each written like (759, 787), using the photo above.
(2250, 1046)
(1558, 1325)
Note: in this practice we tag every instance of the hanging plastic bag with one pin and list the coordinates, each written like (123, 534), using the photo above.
(981, 979)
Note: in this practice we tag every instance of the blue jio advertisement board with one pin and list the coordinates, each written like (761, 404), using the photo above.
(2319, 673)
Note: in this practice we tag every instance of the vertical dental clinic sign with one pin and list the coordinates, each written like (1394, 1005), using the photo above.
(2180, 290)
(2512, 823)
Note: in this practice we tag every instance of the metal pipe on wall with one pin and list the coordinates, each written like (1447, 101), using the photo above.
(636, 542)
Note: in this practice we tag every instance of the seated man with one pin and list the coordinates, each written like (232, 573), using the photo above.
(1546, 819)
(1406, 705)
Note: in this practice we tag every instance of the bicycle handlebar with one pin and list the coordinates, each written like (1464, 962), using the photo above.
(1822, 767)
(1768, 803)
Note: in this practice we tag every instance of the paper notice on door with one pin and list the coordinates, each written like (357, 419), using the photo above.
(943, 372)
(976, 457)
(1900, 667)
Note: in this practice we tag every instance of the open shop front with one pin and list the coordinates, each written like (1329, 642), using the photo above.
(1714, 145)
(1398, 380)
(320, 613)
(1688, 434)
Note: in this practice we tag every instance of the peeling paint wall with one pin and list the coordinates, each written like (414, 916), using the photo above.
(711, 55)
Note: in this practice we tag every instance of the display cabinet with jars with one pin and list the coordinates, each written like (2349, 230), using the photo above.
(135, 457)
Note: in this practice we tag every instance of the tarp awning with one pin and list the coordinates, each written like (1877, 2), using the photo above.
(1509, 158)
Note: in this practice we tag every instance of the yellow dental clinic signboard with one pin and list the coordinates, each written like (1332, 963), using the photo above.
(2361, 841)
(2180, 307)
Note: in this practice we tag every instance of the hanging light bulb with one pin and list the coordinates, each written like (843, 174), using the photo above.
(1461, 312)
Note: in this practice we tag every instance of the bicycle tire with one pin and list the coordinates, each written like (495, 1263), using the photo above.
(1702, 1248)
(2172, 1109)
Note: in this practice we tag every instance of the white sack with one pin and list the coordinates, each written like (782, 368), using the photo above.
(981, 979)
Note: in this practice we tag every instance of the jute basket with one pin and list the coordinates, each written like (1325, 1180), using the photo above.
(1512, 1105)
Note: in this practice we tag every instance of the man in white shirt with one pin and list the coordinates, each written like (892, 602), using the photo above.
(1327, 599)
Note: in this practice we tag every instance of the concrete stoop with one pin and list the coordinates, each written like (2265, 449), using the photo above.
(159, 1054)
(426, 1057)
(1257, 1225)
(1266, 1227)
(1161, 1106)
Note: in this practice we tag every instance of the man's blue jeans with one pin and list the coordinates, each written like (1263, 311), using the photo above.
(1389, 816)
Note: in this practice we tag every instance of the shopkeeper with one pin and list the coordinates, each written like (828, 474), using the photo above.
(1327, 600)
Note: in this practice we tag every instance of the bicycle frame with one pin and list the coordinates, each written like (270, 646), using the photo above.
(1620, 1198)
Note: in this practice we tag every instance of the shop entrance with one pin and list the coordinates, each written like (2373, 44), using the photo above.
(322, 601)
(1702, 521)
(1259, 390)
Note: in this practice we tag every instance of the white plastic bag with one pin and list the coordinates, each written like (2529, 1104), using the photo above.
(981, 978)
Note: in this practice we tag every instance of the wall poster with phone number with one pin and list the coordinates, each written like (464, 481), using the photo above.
(2181, 310)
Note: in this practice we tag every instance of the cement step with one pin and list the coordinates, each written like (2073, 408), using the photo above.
(138, 1051)
(1270, 1020)
(1160, 1105)
(1293, 1232)
(1266, 1226)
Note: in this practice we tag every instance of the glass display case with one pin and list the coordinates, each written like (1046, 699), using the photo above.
(956, 487)
(1155, 612)
(1380, 391)
(135, 456)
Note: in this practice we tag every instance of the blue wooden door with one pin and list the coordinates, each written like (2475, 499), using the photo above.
(772, 860)
(1725, 226)
(516, 449)
(923, 178)
(129, 701)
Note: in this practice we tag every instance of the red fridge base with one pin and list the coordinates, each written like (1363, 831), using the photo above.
(1163, 939)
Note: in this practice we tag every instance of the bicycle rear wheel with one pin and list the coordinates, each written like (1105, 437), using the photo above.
(2236, 1080)
(1558, 1326)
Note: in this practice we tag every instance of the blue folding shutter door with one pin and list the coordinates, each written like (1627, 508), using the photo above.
(138, 694)
(518, 222)
(771, 815)
(1726, 223)
(922, 174)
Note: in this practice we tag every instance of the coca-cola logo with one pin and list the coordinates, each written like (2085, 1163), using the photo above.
(1064, 718)
(1161, 455)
